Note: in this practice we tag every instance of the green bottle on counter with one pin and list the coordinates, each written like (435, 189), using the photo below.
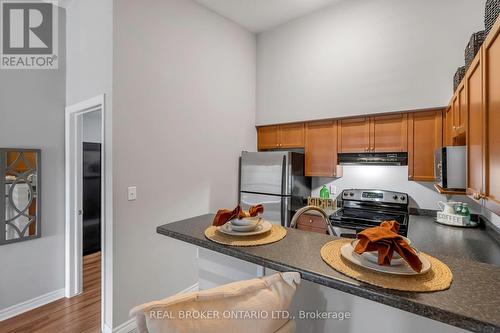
(324, 193)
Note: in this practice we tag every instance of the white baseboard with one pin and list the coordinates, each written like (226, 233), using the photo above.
(107, 329)
(129, 326)
(126, 327)
(31, 304)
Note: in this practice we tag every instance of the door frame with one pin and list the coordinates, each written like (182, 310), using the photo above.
(73, 202)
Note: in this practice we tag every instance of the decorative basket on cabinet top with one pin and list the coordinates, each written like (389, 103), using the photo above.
(475, 42)
(458, 77)
(491, 12)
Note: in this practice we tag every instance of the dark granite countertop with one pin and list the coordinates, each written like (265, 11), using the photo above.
(472, 302)
(475, 244)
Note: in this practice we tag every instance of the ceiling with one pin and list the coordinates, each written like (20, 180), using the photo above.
(261, 15)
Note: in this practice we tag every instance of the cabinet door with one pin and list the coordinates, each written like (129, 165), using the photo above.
(491, 62)
(475, 135)
(458, 129)
(462, 114)
(389, 133)
(425, 136)
(292, 136)
(448, 126)
(354, 135)
(455, 104)
(268, 137)
(321, 149)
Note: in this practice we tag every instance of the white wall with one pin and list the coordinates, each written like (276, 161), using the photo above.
(364, 56)
(393, 178)
(92, 127)
(90, 73)
(89, 49)
(32, 116)
(184, 104)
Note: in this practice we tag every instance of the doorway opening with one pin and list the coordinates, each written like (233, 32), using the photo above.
(88, 249)
(91, 184)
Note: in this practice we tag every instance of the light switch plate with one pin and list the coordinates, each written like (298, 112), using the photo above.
(132, 193)
(333, 189)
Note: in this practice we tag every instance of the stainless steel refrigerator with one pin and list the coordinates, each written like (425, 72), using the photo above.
(275, 180)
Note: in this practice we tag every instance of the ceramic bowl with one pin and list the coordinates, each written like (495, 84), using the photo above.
(246, 222)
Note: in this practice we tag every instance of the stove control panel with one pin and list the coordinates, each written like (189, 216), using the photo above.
(375, 195)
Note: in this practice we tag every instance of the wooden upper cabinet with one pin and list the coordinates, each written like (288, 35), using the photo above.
(448, 125)
(268, 137)
(459, 116)
(321, 149)
(354, 135)
(389, 133)
(491, 63)
(292, 135)
(455, 119)
(462, 114)
(281, 136)
(476, 129)
(386, 133)
(456, 114)
(425, 136)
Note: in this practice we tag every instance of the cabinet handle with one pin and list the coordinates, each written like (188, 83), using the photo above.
(372, 149)
(482, 195)
(310, 221)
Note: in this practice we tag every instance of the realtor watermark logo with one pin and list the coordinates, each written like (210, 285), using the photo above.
(29, 34)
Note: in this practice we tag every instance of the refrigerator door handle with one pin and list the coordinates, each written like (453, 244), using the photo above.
(285, 211)
(283, 176)
(262, 202)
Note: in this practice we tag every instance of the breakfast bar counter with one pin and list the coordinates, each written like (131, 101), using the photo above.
(472, 302)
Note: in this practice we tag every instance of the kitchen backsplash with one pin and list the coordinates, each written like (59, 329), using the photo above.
(394, 178)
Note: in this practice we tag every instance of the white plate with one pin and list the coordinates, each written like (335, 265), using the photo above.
(348, 253)
(263, 227)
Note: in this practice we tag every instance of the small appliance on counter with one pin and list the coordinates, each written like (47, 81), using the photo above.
(362, 209)
(450, 167)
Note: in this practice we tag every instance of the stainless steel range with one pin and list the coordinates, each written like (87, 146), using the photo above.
(363, 209)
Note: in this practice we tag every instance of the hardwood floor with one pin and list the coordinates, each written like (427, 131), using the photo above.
(80, 314)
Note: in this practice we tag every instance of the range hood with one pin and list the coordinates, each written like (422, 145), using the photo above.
(373, 159)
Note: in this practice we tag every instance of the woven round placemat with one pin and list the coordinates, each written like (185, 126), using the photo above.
(276, 233)
(439, 277)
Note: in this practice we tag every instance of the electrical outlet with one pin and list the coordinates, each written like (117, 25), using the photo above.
(333, 189)
(132, 193)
